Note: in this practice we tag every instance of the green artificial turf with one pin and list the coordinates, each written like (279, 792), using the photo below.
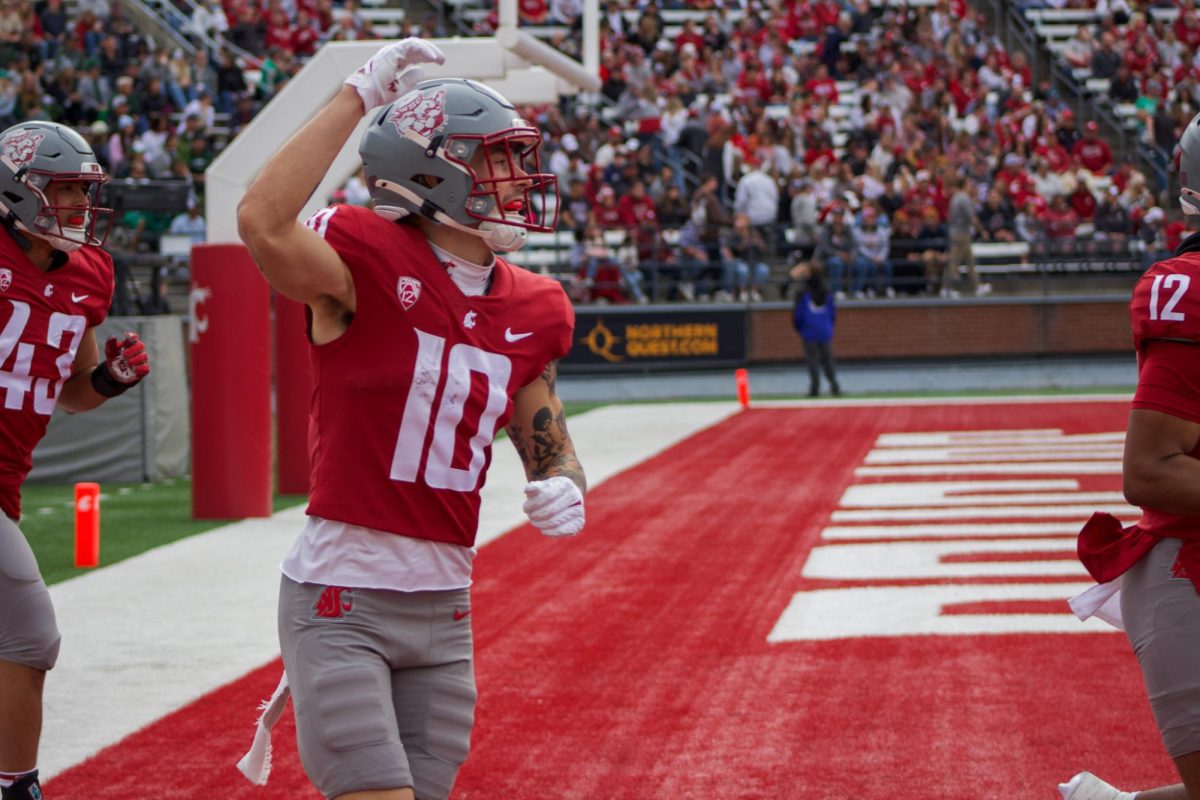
(133, 518)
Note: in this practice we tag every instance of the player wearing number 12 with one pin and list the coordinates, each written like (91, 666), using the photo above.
(1155, 564)
(56, 285)
(424, 344)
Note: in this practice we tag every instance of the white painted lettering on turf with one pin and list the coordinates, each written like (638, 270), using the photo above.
(975, 438)
(1078, 512)
(961, 530)
(1032, 538)
(825, 614)
(1106, 467)
(920, 455)
(973, 558)
(971, 493)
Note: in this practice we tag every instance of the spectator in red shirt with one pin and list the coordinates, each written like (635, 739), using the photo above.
(607, 214)
(304, 36)
(1060, 220)
(639, 206)
(689, 35)
(822, 87)
(1055, 156)
(1187, 28)
(1141, 58)
(279, 31)
(1082, 201)
(753, 84)
(1091, 151)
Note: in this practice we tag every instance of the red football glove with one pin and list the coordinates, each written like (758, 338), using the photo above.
(126, 360)
(125, 364)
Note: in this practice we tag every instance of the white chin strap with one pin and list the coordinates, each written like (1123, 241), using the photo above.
(503, 238)
(65, 244)
(58, 242)
(500, 238)
(1188, 200)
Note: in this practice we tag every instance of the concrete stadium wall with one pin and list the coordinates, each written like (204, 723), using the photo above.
(961, 328)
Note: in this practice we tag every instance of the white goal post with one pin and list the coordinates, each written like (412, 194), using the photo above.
(519, 66)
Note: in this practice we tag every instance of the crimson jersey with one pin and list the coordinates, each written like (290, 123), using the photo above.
(43, 316)
(409, 398)
(1165, 316)
(1165, 305)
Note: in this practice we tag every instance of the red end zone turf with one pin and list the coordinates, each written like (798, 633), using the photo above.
(634, 661)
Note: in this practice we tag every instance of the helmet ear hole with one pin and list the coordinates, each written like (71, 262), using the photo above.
(13, 198)
(428, 181)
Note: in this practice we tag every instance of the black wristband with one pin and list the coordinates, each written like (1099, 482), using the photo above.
(105, 384)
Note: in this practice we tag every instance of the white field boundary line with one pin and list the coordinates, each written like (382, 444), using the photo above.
(151, 634)
(998, 399)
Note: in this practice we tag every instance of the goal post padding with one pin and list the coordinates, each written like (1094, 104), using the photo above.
(231, 384)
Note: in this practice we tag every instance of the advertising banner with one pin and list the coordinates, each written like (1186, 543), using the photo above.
(616, 339)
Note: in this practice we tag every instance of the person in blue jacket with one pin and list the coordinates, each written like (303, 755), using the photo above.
(814, 316)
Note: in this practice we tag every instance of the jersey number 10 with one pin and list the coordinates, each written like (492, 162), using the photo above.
(463, 360)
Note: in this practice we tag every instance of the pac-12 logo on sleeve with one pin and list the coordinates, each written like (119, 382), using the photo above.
(409, 290)
(5, 279)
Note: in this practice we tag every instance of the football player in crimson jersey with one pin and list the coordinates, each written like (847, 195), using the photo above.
(1155, 564)
(56, 285)
(424, 344)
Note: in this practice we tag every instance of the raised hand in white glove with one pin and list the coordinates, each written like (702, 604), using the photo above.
(555, 506)
(392, 71)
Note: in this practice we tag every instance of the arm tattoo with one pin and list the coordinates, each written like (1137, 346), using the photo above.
(545, 451)
(517, 434)
(550, 376)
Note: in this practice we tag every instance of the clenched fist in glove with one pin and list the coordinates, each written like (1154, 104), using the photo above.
(392, 71)
(125, 364)
(555, 506)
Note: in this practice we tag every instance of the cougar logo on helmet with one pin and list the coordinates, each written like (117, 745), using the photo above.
(423, 114)
(22, 146)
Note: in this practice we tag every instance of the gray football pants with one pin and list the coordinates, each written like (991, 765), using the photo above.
(383, 686)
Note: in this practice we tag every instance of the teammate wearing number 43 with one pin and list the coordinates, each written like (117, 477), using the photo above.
(56, 285)
(424, 344)
(1148, 574)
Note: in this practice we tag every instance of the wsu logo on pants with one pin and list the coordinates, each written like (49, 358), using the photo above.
(334, 603)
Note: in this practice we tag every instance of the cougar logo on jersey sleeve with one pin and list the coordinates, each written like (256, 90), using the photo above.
(409, 290)
(423, 114)
(21, 147)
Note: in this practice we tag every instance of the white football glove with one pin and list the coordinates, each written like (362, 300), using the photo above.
(555, 506)
(391, 72)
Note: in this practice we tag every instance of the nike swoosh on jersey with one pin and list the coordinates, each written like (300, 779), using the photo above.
(79, 298)
(461, 614)
(509, 336)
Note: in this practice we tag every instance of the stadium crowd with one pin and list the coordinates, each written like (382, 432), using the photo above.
(716, 155)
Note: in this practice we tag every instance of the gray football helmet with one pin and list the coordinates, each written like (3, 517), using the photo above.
(32, 156)
(1189, 167)
(456, 152)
